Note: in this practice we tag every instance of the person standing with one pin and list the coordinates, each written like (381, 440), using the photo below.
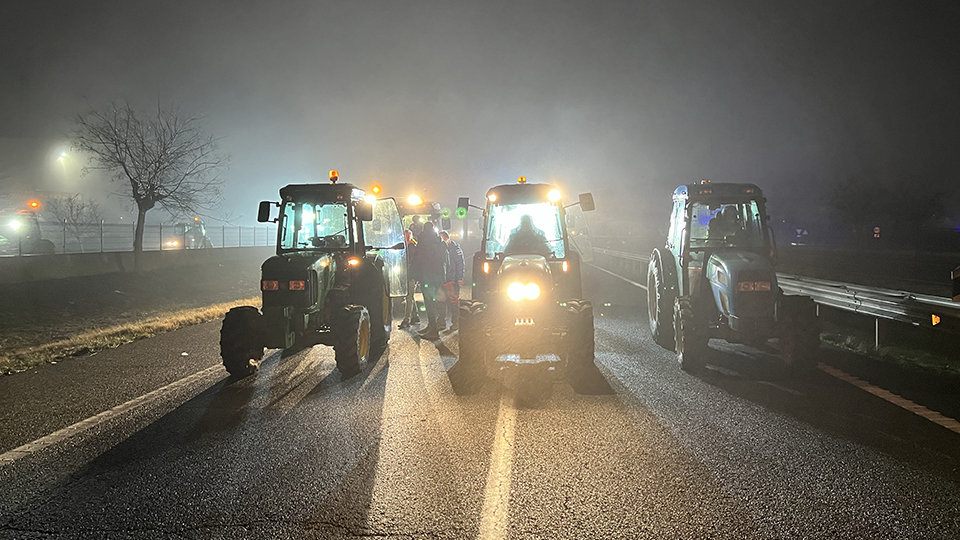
(430, 262)
(454, 280)
(410, 315)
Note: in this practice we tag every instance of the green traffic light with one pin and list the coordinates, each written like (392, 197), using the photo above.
(461, 212)
(445, 213)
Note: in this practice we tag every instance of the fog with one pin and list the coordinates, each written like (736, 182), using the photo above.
(626, 99)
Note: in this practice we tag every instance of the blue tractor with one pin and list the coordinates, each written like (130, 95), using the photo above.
(715, 278)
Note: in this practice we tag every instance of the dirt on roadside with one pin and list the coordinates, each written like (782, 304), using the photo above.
(38, 313)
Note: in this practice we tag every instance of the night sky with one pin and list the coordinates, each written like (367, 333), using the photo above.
(625, 99)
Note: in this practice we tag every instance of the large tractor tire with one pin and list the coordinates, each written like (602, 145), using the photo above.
(240, 343)
(376, 298)
(799, 335)
(468, 374)
(353, 338)
(661, 294)
(580, 339)
(690, 341)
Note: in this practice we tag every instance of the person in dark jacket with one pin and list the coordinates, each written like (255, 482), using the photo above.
(451, 287)
(430, 267)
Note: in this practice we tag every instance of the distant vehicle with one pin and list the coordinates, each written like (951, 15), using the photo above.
(526, 307)
(340, 258)
(715, 278)
(191, 235)
(20, 234)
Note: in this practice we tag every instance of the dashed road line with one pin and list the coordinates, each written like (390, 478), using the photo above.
(61, 435)
(897, 400)
(495, 516)
(781, 387)
(618, 276)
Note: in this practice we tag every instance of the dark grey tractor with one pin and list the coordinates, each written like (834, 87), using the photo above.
(340, 258)
(715, 278)
(526, 306)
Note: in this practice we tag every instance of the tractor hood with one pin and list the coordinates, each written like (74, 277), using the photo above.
(525, 266)
(281, 266)
(744, 284)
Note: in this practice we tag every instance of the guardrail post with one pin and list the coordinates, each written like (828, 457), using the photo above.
(223, 236)
(876, 333)
(161, 237)
(64, 235)
(101, 236)
(239, 236)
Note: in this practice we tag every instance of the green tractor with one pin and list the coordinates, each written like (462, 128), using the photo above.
(715, 278)
(526, 307)
(340, 258)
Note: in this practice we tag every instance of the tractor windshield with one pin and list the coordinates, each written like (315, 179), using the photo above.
(715, 225)
(524, 228)
(314, 226)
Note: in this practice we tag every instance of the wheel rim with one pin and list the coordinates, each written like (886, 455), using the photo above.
(363, 339)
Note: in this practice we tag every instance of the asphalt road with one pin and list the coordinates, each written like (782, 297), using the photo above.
(297, 451)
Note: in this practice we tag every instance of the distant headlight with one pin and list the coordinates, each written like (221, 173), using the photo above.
(14, 224)
(518, 291)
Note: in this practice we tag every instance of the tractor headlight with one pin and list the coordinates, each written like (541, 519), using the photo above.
(519, 291)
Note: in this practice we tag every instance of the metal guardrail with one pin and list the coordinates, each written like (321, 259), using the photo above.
(938, 313)
(917, 309)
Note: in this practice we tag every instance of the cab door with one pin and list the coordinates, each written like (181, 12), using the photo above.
(383, 234)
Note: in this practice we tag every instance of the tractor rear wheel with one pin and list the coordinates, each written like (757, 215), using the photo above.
(689, 339)
(240, 345)
(660, 300)
(353, 337)
(799, 335)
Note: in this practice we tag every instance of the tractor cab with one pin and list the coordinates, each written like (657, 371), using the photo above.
(527, 220)
(710, 218)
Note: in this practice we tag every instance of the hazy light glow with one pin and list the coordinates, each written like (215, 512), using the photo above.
(414, 200)
(554, 195)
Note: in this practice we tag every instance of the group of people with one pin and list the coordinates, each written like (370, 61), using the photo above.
(436, 265)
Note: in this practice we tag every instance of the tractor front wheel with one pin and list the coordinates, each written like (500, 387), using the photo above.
(580, 340)
(240, 344)
(799, 335)
(689, 340)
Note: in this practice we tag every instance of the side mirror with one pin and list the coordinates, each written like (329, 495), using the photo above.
(586, 202)
(398, 245)
(445, 223)
(364, 211)
(263, 212)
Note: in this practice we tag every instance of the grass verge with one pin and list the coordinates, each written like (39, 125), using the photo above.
(909, 358)
(18, 360)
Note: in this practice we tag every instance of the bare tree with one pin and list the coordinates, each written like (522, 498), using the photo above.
(167, 159)
(77, 215)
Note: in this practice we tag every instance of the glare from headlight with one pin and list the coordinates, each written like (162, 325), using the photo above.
(531, 291)
(14, 224)
(516, 291)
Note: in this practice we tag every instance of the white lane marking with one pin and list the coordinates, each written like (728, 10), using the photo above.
(494, 518)
(630, 281)
(784, 388)
(897, 400)
(83, 425)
